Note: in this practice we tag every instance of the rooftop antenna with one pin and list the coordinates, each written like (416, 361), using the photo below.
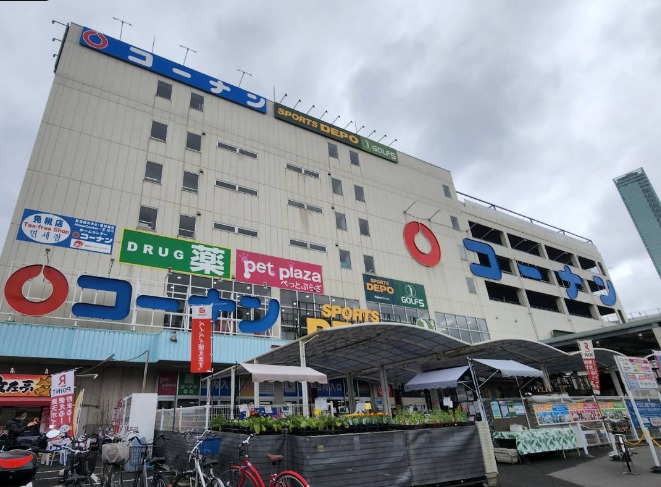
(392, 142)
(309, 109)
(350, 122)
(299, 101)
(322, 115)
(121, 29)
(335, 120)
(57, 22)
(56, 39)
(283, 98)
(371, 133)
(186, 55)
(361, 128)
(384, 136)
(243, 73)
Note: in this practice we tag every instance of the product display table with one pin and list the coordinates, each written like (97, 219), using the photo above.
(540, 440)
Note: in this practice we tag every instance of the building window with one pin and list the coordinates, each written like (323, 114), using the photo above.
(159, 131)
(194, 142)
(197, 102)
(345, 259)
(337, 186)
(332, 150)
(462, 252)
(466, 328)
(369, 263)
(340, 221)
(233, 229)
(238, 150)
(446, 191)
(303, 206)
(455, 223)
(191, 181)
(300, 170)
(471, 285)
(147, 217)
(236, 187)
(353, 157)
(307, 245)
(164, 90)
(153, 172)
(186, 226)
(359, 192)
(364, 227)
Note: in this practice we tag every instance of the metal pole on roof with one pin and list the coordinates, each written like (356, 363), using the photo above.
(304, 384)
(480, 401)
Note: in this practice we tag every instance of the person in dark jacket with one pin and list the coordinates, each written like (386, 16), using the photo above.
(20, 427)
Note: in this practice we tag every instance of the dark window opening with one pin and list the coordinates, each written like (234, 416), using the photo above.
(608, 314)
(503, 293)
(364, 227)
(332, 150)
(197, 102)
(194, 142)
(353, 157)
(558, 255)
(576, 308)
(153, 172)
(565, 284)
(337, 186)
(191, 181)
(147, 217)
(359, 192)
(546, 274)
(164, 90)
(159, 131)
(488, 234)
(505, 264)
(186, 226)
(588, 265)
(228, 147)
(345, 259)
(524, 245)
(369, 264)
(542, 301)
(446, 191)
(340, 221)
(455, 223)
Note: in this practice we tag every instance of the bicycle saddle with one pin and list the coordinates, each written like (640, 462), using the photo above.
(210, 462)
(274, 458)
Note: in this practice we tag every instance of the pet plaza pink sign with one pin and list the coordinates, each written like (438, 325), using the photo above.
(276, 272)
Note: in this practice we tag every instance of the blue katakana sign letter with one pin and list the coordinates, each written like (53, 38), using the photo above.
(263, 324)
(574, 280)
(491, 271)
(610, 298)
(119, 311)
(157, 302)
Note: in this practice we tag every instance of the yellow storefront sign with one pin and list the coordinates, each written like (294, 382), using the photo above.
(350, 314)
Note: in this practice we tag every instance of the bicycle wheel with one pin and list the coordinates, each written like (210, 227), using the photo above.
(159, 482)
(183, 480)
(137, 480)
(290, 479)
(232, 478)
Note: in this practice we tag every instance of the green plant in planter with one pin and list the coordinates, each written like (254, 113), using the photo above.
(326, 421)
(408, 418)
(460, 416)
(220, 423)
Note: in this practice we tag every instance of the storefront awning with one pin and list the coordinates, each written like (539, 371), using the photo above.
(435, 379)
(510, 368)
(24, 401)
(282, 373)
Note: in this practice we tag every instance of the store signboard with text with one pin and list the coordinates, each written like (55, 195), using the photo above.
(22, 385)
(265, 270)
(391, 291)
(189, 384)
(61, 402)
(637, 373)
(178, 255)
(65, 231)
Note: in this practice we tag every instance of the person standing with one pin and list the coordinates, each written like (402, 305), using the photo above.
(19, 427)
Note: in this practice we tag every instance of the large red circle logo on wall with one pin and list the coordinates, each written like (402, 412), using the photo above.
(103, 41)
(16, 299)
(430, 259)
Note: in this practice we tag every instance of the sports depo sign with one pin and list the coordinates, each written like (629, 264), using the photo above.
(391, 291)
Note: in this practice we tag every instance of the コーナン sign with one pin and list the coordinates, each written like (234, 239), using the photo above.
(265, 270)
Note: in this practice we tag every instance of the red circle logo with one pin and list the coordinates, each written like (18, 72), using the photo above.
(430, 259)
(87, 37)
(16, 299)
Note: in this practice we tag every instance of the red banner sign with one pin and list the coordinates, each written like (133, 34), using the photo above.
(201, 343)
(19, 385)
(61, 402)
(590, 361)
(167, 383)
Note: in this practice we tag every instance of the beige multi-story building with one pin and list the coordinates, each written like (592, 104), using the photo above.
(213, 187)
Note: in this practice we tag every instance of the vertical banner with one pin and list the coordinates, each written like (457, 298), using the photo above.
(200, 357)
(61, 400)
(76, 413)
(657, 356)
(590, 361)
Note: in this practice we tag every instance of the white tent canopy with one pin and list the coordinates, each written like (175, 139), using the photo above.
(283, 373)
(510, 368)
(436, 378)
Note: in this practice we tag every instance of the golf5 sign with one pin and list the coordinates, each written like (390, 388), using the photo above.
(391, 291)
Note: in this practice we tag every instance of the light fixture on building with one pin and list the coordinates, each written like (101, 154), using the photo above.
(322, 115)
(338, 117)
(12, 371)
(173, 337)
(371, 133)
(350, 122)
(299, 101)
(384, 136)
(392, 142)
(309, 109)
(282, 98)
(361, 128)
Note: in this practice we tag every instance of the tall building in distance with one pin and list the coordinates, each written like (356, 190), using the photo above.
(643, 205)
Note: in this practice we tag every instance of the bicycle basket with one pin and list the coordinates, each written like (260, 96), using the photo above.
(115, 453)
(210, 446)
(135, 457)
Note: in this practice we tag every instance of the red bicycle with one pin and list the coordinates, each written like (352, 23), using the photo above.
(246, 475)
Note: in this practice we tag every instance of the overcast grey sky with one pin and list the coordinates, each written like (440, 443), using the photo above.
(533, 105)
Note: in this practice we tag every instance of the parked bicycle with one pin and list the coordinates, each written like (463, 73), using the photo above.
(114, 455)
(161, 473)
(201, 472)
(82, 461)
(246, 475)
